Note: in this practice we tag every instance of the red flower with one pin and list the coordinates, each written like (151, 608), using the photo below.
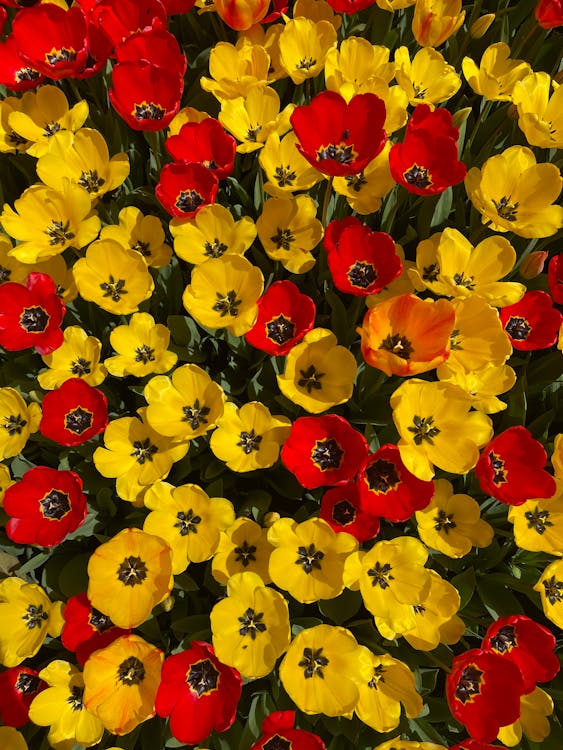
(284, 317)
(86, 629)
(361, 262)
(3, 18)
(31, 315)
(510, 468)
(206, 143)
(278, 7)
(99, 49)
(549, 13)
(471, 744)
(18, 687)
(324, 451)
(52, 40)
(426, 161)
(555, 278)
(338, 138)
(533, 323)
(184, 187)
(178, 6)
(527, 644)
(388, 489)
(118, 20)
(45, 506)
(15, 73)
(483, 692)
(198, 692)
(156, 46)
(343, 510)
(73, 413)
(350, 6)
(278, 732)
(146, 96)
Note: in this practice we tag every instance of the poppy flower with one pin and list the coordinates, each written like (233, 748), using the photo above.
(155, 45)
(18, 687)
(15, 73)
(426, 162)
(206, 143)
(184, 187)
(45, 506)
(406, 335)
(52, 40)
(473, 687)
(510, 468)
(340, 138)
(323, 451)
(526, 643)
(31, 315)
(278, 730)
(86, 629)
(361, 262)
(533, 323)
(343, 510)
(285, 315)
(73, 413)
(146, 96)
(388, 489)
(555, 278)
(198, 693)
(549, 13)
(119, 20)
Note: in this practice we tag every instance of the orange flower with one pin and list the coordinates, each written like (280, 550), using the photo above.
(406, 335)
(241, 14)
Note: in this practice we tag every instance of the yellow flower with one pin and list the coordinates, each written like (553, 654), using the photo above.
(269, 39)
(251, 626)
(449, 265)
(288, 230)
(434, 21)
(428, 79)
(236, 70)
(497, 74)
(538, 524)
(365, 190)
(5, 482)
(250, 437)
(357, 67)
(184, 406)
(142, 348)
(141, 233)
(550, 586)
(540, 117)
(319, 374)
(478, 337)
(483, 385)
(45, 221)
(452, 523)
(321, 671)
(60, 707)
(242, 547)
(304, 44)
(401, 285)
(513, 193)
(392, 5)
(223, 293)
(129, 575)
(27, 616)
(392, 579)
(186, 114)
(83, 158)
(17, 422)
(11, 269)
(212, 233)
(557, 456)
(253, 117)
(397, 743)
(121, 681)
(188, 520)
(535, 707)
(77, 357)
(11, 739)
(10, 141)
(309, 558)
(56, 268)
(42, 114)
(436, 427)
(316, 10)
(285, 168)
(386, 684)
(137, 455)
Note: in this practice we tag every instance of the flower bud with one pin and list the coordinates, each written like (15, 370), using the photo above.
(434, 21)
(533, 265)
(270, 518)
(480, 27)
(241, 14)
(461, 116)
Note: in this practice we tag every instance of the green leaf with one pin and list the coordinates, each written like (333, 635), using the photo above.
(465, 584)
(343, 607)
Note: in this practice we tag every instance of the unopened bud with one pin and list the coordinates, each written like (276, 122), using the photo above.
(461, 116)
(480, 27)
(270, 518)
(168, 603)
(533, 265)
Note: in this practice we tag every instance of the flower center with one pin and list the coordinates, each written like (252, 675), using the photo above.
(505, 209)
(195, 415)
(382, 476)
(469, 684)
(306, 63)
(55, 504)
(277, 743)
(131, 671)
(64, 54)
(309, 558)
(538, 520)
(80, 367)
(327, 454)
(284, 176)
(202, 677)
(26, 74)
(132, 571)
(75, 698)
(423, 430)
(58, 232)
(518, 328)
(34, 319)
(245, 553)
(468, 282)
(313, 662)
(381, 575)
(143, 248)
(397, 344)
(148, 111)
(444, 521)
(280, 329)
(79, 420)
(505, 640)
(251, 623)
(189, 201)
(553, 590)
(144, 354)
(187, 522)
(227, 304)
(249, 442)
(356, 181)
(430, 273)
(5, 274)
(418, 176)
(51, 128)
(283, 239)
(14, 424)
(252, 133)
(343, 513)
(143, 450)
(27, 683)
(91, 181)
(378, 673)
(310, 379)
(34, 616)
(114, 289)
(99, 621)
(497, 464)
(342, 153)
(215, 249)
(361, 274)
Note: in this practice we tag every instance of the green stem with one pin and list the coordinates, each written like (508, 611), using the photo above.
(483, 114)
(438, 662)
(328, 193)
(467, 38)
(479, 232)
